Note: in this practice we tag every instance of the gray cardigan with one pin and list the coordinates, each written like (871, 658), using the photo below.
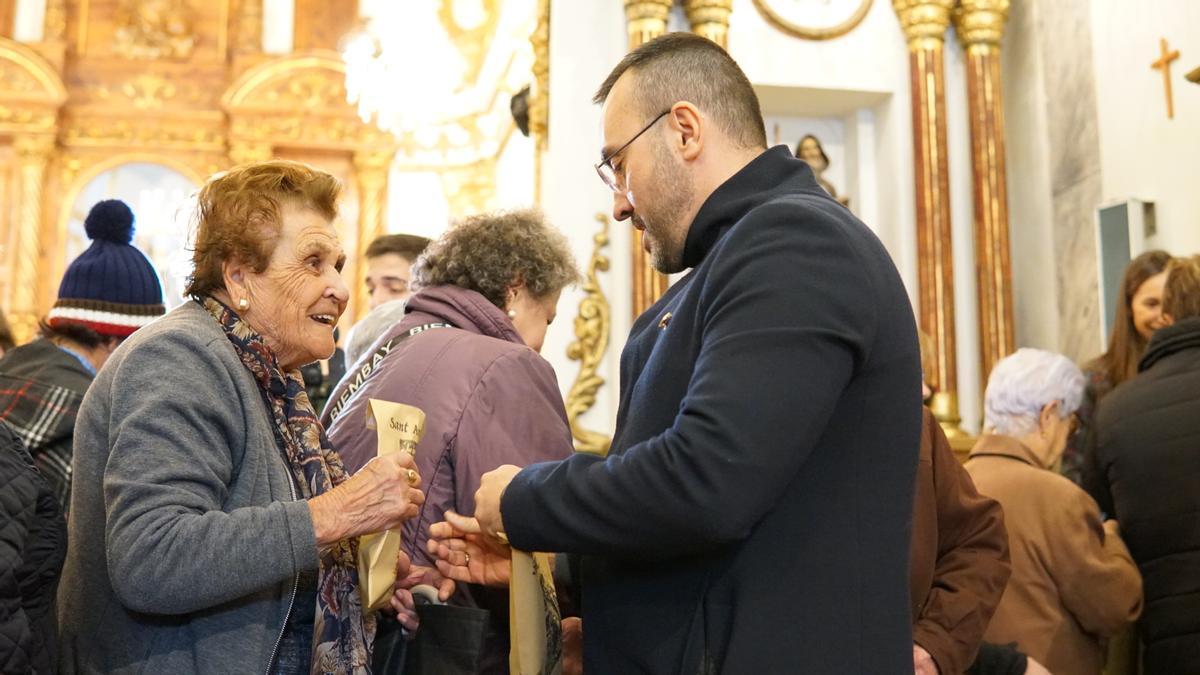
(185, 536)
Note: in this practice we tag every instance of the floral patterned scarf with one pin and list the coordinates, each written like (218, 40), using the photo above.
(342, 631)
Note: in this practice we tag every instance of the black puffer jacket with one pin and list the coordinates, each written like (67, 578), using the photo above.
(33, 543)
(1145, 472)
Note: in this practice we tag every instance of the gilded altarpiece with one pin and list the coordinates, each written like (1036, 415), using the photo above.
(179, 83)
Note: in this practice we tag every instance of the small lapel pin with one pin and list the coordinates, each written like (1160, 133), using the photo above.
(666, 319)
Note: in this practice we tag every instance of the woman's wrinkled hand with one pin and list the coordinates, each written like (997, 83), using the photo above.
(463, 553)
(381, 496)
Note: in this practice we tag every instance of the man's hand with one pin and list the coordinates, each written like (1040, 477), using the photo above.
(572, 649)
(463, 553)
(922, 662)
(487, 499)
(1111, 527)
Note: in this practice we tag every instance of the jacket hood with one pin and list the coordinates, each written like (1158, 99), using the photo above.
(464, 309)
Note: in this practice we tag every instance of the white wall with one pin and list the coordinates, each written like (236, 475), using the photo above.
(586, 40)
(279, 20)
(1030, 211)
(1143, 154)
(29, 22)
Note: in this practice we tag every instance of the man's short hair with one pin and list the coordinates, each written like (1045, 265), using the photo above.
(1181, 293)
(407, 246)
(686, 67)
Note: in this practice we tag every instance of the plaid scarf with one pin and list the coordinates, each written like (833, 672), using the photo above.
(342, 630)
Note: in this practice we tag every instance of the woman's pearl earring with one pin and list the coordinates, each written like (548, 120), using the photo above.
(512, 313)
(243, 304)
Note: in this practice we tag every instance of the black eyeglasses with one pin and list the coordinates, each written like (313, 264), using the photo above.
(605, 168)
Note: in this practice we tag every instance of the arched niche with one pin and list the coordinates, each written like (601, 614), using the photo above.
(161, 193)
(31, 91)
(298, 101)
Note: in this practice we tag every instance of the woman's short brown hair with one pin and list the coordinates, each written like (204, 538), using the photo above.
(490, 252)
(239, 213)
(1181, 293)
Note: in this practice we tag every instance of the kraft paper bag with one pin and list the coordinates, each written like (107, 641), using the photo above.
(398, 428)
(535, 622)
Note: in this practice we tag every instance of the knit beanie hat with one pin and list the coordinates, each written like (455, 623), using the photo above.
(112, 287)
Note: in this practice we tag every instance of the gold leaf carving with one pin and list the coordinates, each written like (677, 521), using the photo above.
(144, 92)
(108, 131)
(154, 29)
(26, 117)
(339, 131)
(310, 90)
(592, 326)
(17, 80)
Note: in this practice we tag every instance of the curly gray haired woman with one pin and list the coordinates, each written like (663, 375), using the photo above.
(466, 353)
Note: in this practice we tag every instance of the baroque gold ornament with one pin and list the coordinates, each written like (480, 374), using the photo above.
(154, 29)
(592, 326)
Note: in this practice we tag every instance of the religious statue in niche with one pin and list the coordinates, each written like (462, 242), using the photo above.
(809, 149)
(154, 29)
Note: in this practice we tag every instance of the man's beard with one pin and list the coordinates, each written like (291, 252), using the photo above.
(661, 221)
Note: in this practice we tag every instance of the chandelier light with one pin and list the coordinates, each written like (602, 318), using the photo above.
(405, 73)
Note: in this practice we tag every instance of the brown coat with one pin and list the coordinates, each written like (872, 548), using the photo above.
(959, 556)
(1073, 584)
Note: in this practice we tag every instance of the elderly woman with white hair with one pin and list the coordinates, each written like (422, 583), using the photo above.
(1073, 582)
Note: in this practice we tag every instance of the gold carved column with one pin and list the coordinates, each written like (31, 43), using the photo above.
(539, 100)
(925, 23)
(371, 171)
(33, 154)
(710, 18)
(980, 26)
(645, 20)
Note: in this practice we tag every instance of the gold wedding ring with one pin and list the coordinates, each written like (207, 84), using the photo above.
(412, 477)
(468, 561)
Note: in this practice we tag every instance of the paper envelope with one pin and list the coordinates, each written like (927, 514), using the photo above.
(398, 428)
(534, 619)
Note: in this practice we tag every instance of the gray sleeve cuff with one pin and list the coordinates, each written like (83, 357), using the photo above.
(301, 536)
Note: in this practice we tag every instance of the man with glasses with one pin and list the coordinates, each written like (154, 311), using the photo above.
(753, 513)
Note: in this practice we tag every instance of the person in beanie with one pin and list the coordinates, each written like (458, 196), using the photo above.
(107, 293)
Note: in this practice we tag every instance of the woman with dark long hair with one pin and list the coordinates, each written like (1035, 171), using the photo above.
(1138, 316)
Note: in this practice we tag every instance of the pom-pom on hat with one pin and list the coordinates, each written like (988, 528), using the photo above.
(111, 287)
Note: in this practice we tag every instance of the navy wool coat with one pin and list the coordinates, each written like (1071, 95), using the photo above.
(753, 514)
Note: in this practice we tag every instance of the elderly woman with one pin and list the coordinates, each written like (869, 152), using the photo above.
(214, 528)
(1073, 581)
(466, 353)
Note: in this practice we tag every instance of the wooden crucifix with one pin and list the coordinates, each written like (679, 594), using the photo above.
(1164, 64)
